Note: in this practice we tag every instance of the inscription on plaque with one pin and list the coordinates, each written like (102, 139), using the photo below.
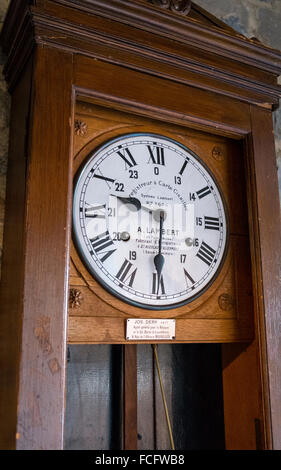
(145, 329)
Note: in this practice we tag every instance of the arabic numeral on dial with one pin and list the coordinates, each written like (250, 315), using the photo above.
(182, 258)
(111, 211)
(192, 241)
(199, 221)
(156, 170)
(133, 174)
(192, 197)
(177, 180)
(117, 236)
(119, 187)
(132, 255)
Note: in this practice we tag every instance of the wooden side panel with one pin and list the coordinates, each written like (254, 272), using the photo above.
(266, 223)
(252, 374)
(243, 419)
(12, 264)
(47, 226)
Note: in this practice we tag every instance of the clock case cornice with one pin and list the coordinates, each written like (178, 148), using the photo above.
(29, 23)
(168, 44)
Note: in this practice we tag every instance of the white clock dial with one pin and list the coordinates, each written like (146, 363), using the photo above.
(149, 221)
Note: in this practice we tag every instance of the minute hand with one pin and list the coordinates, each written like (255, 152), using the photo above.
(159, 259)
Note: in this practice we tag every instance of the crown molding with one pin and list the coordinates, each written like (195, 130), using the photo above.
(144, 15)
(200, 55)
(182, 7)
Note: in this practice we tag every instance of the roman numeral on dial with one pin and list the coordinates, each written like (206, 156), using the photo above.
(128, 158)
(125, 273)
(206, 253)
(187, 275)
(100, 243)
(183, 167)
(156, 155)
(155, 284)
(105, 178)
(95, 212)
(211, 223)
(203, 192)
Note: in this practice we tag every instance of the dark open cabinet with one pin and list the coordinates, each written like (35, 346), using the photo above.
(80, 70)
(192, 380)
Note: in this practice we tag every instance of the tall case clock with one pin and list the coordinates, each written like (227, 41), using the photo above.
(141, 183)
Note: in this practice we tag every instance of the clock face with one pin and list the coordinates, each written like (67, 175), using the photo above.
(149, 221)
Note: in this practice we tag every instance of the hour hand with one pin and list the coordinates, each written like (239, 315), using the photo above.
(129, 200)
(135, 202)
(159, 261)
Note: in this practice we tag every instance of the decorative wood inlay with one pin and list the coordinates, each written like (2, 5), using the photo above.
(226, 302)
(179, 6)
(75, 298)
(217, 153)
(81, 128)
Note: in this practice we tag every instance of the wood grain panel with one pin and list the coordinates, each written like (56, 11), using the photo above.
(242, 398)
(180, 104)
(112, 330)
(266, 229)
(47, 225)
(12, 263)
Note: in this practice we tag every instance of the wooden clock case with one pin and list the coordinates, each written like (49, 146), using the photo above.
(80, 73)
(222, 312)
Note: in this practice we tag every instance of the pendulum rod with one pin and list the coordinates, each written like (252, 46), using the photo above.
(154, 346)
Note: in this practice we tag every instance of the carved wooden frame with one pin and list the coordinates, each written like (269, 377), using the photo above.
(52, 43)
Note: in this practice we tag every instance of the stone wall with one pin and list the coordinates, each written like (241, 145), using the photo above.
(4, 129)
(260, 19)
(253, 18)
